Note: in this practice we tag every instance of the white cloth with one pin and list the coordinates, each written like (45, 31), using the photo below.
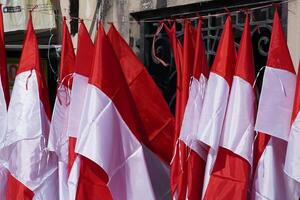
(59, 138)
(23, 149)
(188, 132)
(238, 131)
(106, 140)
(276, 103)
(292, 161)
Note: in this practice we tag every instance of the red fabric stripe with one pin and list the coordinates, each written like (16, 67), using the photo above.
(178, 172)
(92, 182)
(3, 66)
(16, 190)
(224, 63)
(196, 170)
(72, 154)
(200, 61)
(230, 177)
(296, 107)
(85, 52)
(245, 61)
(67, 56)
(260, 144)
(279, 56)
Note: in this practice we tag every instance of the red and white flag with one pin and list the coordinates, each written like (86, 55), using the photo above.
(110, 129)
(32, 167)
(155, 115)
(292, 160)
(216, 98)
(82, 69)
(4, 101)
(58, 136)
(273, 119)
(231, 172)
(196, 155)
(179, 163)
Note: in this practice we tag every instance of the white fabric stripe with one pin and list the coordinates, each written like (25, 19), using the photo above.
(192, 116)
(3, 129)
(63, 180)
(211, 120)
(58, 136)
(276, 103)
(59, 139)
(24, 146)
(270, 181)
(3, 182)
(78, 93)
(48, 189)
(292, 160)
(213, 111)
(238, 130)
(106, 139)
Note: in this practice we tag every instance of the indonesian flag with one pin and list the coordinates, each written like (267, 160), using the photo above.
(4, 101)
(231, 172)
(273, 119)
(196, 155)
(110, 132)
(58, 136)
(82, 69)
(32, 167)
(216, 98)
(179, 164)
(292, 160)
(154, 112)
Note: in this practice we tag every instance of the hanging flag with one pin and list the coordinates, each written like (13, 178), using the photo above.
(156, 117)
(32, 167)
(216, 98)
(58, 136)
(231, 172)
(4, 101)
(196, 155)
(82, 69)
(273, 119)
(179, 164)
(292, 159)
(110, 132)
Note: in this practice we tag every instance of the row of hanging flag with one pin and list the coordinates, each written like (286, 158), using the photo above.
(227, 147)
(111, 131)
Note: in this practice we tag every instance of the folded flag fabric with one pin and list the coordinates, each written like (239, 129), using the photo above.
(24, 150)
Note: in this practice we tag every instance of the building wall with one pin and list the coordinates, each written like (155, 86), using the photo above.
(118, 12)
(294, 31)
